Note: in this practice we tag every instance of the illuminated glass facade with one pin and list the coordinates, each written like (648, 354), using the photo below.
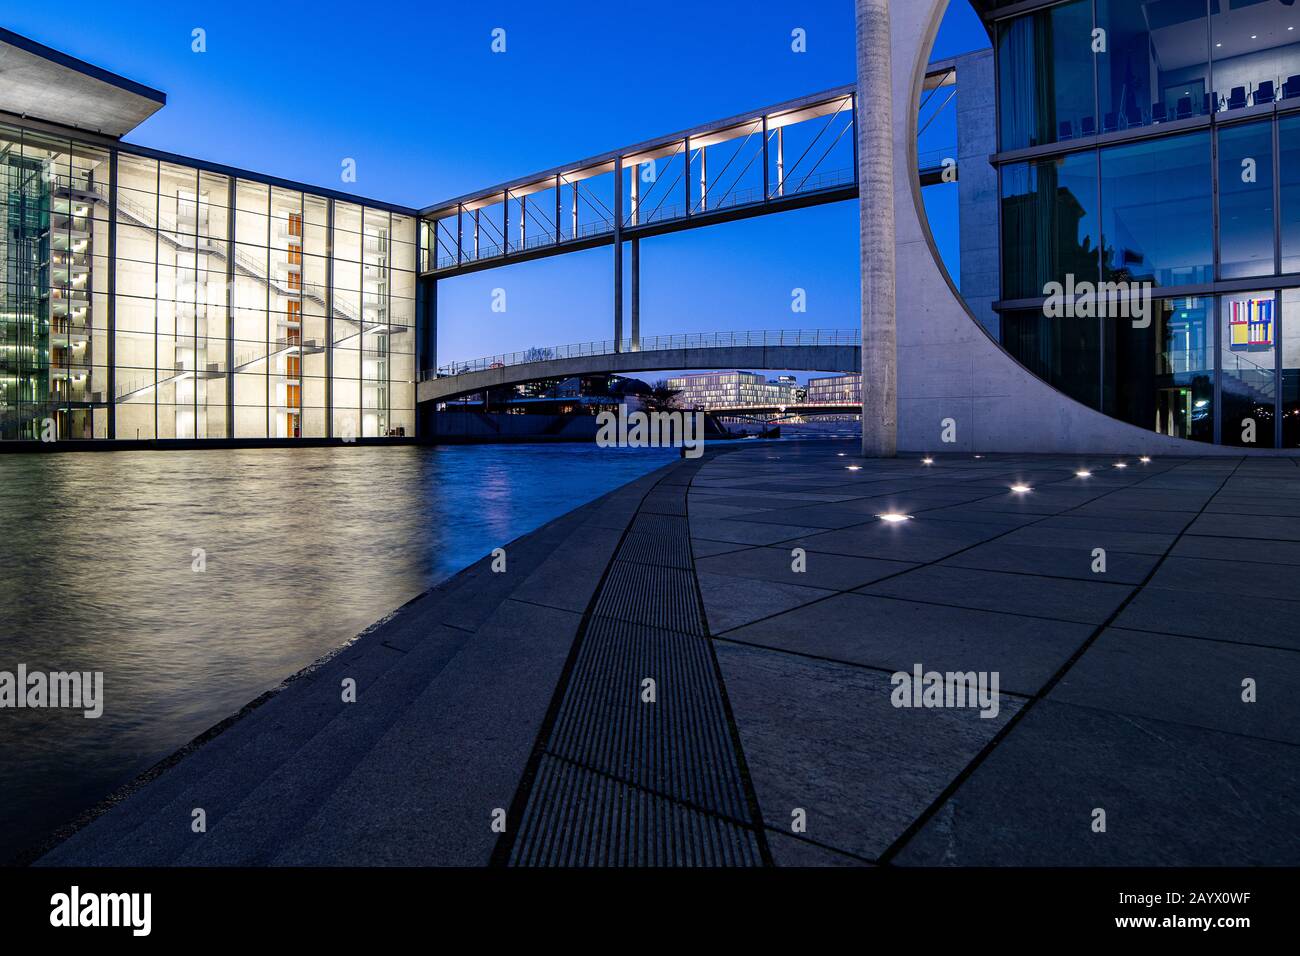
(1156, 146)
(145, 298)
(717, 390)
(834, 390)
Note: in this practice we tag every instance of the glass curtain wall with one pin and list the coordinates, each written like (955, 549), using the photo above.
(1172, 208)
(53, 288)
(233, 308)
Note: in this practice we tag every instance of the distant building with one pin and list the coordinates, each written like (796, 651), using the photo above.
(835, 390)
(718, 390)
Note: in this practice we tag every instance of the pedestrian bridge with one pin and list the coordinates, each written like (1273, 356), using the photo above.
(835, 350)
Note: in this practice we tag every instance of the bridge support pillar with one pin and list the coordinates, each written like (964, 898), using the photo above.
(618, 254)
(636, 295)
(426, 307)
(875, 155)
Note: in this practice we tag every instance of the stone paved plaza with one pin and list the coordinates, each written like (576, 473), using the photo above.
(654, 682)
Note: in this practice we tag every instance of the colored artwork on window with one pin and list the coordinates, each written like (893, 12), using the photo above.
(1250, 325)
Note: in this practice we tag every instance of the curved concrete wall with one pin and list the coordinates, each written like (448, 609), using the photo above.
(803, 358)
(948, 365)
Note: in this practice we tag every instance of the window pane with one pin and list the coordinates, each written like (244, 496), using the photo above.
(1291, 368)
(1064, 352)
(1247, 334)
(1246, 201)
(1162, 377)
(1157, 222)
(1156, 64)
(1045, 76)
(1049, 223)
(1256, 58)
(1289, 172)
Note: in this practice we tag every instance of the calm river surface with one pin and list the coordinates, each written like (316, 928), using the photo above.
(304, 548)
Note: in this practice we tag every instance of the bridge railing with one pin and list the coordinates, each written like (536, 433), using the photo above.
(761, 338)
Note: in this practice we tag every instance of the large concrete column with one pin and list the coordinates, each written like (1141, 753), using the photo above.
(874, 126)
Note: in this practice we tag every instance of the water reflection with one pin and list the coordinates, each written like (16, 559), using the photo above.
(303, 549)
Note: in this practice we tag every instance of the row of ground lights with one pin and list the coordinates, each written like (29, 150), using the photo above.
(894, 517)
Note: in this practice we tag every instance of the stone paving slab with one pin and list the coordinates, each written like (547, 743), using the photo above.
(1189, 681)
(1173, 795)
(893, 635)
(1086, 602)
(837, 572)
(824, 738)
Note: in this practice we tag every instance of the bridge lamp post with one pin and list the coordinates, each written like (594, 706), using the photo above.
(875, 162)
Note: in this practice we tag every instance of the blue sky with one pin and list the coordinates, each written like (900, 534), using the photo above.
(413, 93)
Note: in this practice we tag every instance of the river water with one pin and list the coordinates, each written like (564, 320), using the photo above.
(300, 549)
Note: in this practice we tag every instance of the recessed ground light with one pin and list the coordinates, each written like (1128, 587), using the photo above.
(927, 461)
(1121, 464)
(1145, 460)
(1218, 44)
(979, 456)
(1254, 36)
(893, 517)
(841, 454)
(1083, 474)
(1021, 489)
(854, 467)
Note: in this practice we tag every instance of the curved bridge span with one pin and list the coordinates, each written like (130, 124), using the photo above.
(813, 351)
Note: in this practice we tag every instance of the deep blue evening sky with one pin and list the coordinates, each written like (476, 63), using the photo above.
(412, 91)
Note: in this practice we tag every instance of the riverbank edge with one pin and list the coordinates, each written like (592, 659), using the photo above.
(54, 838)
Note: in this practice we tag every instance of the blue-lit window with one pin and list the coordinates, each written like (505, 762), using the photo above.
(1246, 244)
(1288, 132)
(1049, 223)
(1256, 50)
(1045, 76)
(1155, 68)
(1157, 221)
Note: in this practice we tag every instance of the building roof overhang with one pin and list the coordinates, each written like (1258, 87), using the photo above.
(39, 82)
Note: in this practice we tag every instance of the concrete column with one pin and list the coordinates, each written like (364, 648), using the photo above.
(874, 127)
(636, 294)
(618, 254)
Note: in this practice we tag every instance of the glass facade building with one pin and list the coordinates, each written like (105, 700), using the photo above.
(834, 390)
(150, 298)
(718, 390)
(1155, 144)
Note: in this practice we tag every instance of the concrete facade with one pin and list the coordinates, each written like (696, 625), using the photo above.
(39, 81)
(951, 372)
(977, 186)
